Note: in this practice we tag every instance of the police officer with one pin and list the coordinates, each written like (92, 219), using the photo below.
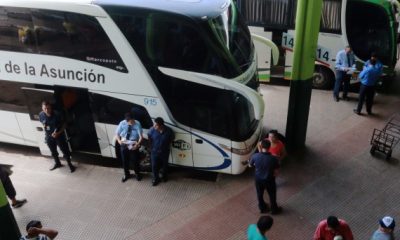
(129, 135)
(54, 129)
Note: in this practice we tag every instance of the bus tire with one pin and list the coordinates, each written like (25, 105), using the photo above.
(323, 78)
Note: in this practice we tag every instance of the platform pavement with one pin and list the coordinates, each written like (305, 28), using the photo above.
(334, 175)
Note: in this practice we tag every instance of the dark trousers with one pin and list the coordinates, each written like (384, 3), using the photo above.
(128, 156)
(159, 161)
(61, 142)
(367, 93)
(341, 78)
(270, 186)
(7, 184)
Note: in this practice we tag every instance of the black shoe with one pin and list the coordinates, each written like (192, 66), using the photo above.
(138, 177)
(165, 179)
(72, 168)
(125, 178)
(155, 183)
(346, 98)
(276, 211)
(370, 113)
(56, 166)
(356, 112)
(19, 203)
(336, 99)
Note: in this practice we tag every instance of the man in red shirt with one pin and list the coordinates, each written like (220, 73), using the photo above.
(333, 227)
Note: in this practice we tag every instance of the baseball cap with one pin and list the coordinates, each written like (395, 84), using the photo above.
(387, 222)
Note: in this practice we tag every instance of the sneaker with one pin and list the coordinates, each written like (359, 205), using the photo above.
(138, 177)
(56, 166)
(125, 178)
(276, 211)
(19, 203)
(336, 99)
(356, 112)
(72, 168)
(155, 183)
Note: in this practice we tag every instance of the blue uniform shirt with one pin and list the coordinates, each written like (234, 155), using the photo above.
(51, 123)
(265, 165)
(370, 74)
(160, 142)
(342, 60)
(136, 130)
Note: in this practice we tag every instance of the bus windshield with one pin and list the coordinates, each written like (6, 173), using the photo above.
(231, 32)
(220, 46)
(369, 30)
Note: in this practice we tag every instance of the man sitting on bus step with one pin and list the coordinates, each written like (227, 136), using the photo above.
(54, 127)
(344, 63)
(129, 135)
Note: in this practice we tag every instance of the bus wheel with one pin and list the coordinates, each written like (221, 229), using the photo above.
(323, 78)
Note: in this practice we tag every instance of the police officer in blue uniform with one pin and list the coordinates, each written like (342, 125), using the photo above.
(54, 135)
(129, 135)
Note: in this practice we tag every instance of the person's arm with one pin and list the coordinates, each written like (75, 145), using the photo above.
(140, 132)
(318, 233)
(60, 126)
(339, 61)
(283, 152)
(118, 133)
(34, 231)
(348, 235)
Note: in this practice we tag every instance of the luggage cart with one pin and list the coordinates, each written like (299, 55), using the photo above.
(386, 139)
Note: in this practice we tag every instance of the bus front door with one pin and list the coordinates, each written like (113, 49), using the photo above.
(34, 98)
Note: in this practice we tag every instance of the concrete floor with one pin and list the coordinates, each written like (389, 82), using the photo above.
(334, 175)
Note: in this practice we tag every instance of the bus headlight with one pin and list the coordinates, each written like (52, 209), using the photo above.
(237, 151)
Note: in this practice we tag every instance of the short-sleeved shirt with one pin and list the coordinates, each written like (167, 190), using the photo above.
(379, 235)
(136, 130)
(160, 141)
(39, 237)
(323, 233)
(50, 123)
(277, 149)
(265, 165)
(254, 234)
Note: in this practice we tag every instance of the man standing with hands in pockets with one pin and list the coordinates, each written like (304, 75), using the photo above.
(160, 137)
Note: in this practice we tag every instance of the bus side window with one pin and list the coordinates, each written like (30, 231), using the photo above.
(112, 110)
(16, 30)
(75, 36)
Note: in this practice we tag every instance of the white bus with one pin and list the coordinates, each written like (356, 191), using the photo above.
(190, 62)
(366, 25)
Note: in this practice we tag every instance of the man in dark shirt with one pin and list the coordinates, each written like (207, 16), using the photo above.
(266, 169)
(160, 137)
(54, 130)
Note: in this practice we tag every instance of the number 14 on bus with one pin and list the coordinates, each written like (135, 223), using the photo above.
(322, 54)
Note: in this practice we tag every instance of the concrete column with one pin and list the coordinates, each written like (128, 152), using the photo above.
(308, 17)
(8, 226)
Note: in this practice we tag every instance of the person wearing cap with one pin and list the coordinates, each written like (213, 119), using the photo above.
(385, 230)
(257, 231)
(160, 137)
(333, 228)
(35, 231)
(10, 190)
(267, 168)
(129, 135)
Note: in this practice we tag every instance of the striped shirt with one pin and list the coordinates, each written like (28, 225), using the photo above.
(39, 237)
